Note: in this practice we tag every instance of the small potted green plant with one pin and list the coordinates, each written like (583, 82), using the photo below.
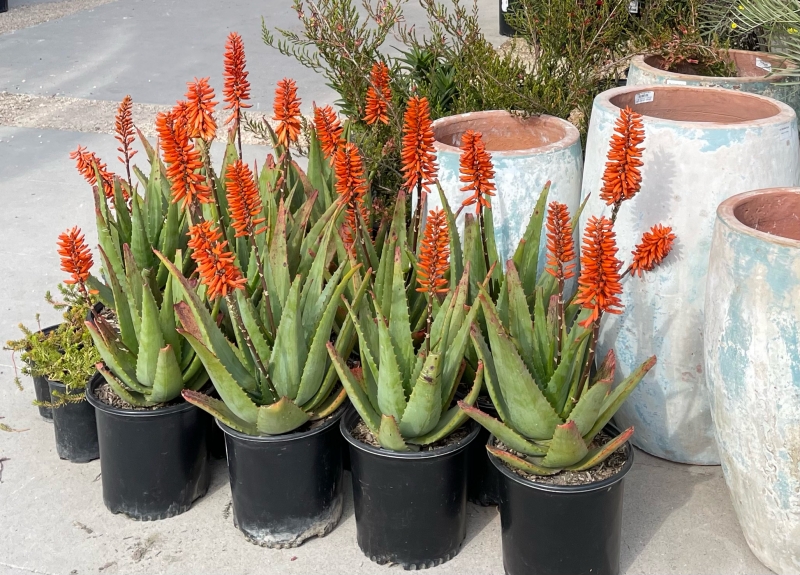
(61, 358)
(408, 448)
(562, 466)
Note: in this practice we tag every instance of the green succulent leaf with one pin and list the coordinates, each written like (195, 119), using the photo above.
(491, 378)
(566, 448)
(168, 381)
(150, 339)
(456, 256)
(526, 257)
(355, 391)
(525, 465)
(424, 407)
(282, 416)
(132, 397)
(599, 455)
(291, 348)
(588, 408)
(391, 394)
(220, 411)
(399, 323)
(389, 435)
(501, 431)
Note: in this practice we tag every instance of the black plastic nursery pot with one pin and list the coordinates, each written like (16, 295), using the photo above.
(74, 426)
(287, 488)
(561, 530)
(154, 463)
(505, 28)
(411, 508)
(483, 480)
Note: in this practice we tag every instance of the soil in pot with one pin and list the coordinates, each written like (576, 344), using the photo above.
(286, 489)
(153, 462)
(570, 525)
(74, 425)
(410, 507)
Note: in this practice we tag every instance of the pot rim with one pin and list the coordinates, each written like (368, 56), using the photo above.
(351, 417)
(285, 437)
(98, 378)
(784, 115)
(587, 488)
(725, 213)
(571, 136)
(641, 63)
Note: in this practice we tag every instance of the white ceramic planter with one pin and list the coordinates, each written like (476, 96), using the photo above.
(526, 153)
(752, 358)
(754, 75)
(702, 145)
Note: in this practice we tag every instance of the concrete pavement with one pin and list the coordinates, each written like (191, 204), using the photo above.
(678, 519)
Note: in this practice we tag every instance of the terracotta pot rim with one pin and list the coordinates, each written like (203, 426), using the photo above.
(571, 135)
(725, 213)
(641, 63)
(785, 114)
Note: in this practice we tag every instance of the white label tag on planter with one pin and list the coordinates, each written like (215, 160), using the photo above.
(763, 64)
(676, 82)
(504, 5)
(643, 97)
(633, 7)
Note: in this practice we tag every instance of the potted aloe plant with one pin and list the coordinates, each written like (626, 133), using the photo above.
(61, 358)
(408, 449)
(153, 445)
(562, 467)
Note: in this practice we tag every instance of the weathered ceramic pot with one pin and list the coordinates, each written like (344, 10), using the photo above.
(702, 145)
(753, 75)
(752, 358)
(526, 153)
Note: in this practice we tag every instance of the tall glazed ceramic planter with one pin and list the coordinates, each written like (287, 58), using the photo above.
(752, 355)
(702, 145)
(526, 153)
(753, 75)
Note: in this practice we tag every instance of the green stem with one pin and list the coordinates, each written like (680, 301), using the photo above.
(262, 277)
(484, 241)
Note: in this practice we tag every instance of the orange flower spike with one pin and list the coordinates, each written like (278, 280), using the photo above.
(183, 161)
(349, 169)
(200, 110)
(124, 131)
(560, 244)
(215, 266)
(329, 130)
(236, 91)
(85, 161)
(434, 256)
(287, 112)
(244, 200)
(180, 113)
(76, 258)
(379, 94)
(622, 178)
(418, 158)
(476, 170)
(656, 245)
(599, 283)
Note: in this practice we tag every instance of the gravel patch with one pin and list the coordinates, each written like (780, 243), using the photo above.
(18, 18)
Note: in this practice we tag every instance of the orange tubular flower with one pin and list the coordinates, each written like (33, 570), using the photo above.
(124, 131)
(183, 161)
(180, 113)
(418, 157)
(622, 178)
(244, 200)
(434, 255)
(287, 112)
(351, 187)
(237, 87)
(560, 245)
(656, 245)
(599, 284)
(200, 110)
(216, 266)
(378, 95)
(329, 130)
(85, 162)
(476, 170)
(76, 258)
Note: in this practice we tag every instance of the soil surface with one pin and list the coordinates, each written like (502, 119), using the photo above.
(362, 433)
(106, 394)
(609, 468)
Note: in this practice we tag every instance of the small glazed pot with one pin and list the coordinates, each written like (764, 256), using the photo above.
(561, 529)
(154, 463)
(411, 508)
(74, 426)
(286, 488)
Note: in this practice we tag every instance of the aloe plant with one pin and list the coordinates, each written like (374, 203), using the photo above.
(404, 395)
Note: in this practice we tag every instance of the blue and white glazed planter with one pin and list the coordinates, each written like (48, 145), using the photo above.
(753, 74)
(526, 153)
(702, 145)
(752, 358)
